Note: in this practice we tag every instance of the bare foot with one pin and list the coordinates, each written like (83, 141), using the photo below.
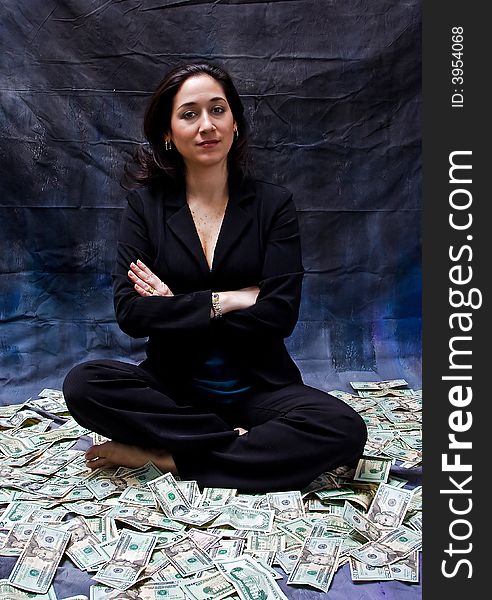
(114, 454)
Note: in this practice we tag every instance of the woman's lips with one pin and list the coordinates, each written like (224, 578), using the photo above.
(208, 144)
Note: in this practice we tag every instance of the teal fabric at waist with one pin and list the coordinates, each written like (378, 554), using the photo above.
(218, 379)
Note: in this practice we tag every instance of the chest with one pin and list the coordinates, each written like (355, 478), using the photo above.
(208, 223)
(187, 246)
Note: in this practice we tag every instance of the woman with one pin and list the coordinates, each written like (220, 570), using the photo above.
(209, 268)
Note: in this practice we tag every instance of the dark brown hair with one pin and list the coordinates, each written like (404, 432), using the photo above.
(152, 162)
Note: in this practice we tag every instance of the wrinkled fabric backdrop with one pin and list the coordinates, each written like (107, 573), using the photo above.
(332, 92)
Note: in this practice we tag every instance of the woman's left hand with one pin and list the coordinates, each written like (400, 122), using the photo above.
(145, 282)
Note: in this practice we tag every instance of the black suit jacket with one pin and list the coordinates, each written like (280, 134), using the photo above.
(258, 244)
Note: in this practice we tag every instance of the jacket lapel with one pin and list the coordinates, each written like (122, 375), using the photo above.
(180, 222)
(236, 220)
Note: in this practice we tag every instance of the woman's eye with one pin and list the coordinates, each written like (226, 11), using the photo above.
(218, 109)
(188, 114)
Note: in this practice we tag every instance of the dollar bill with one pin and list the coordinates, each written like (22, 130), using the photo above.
(213, 497)
(9, 592)
(406, 569)
(226, 549)
(143, 518)
(187, 557)
(300, 529)
(175, 505)
(250, 579)
(361, 524)
(103, 484)
(287, 559)
(16, 538)
(36, 566)
(392, 547)
(389, 506)
(204, 539)
(318, 560)
(286, 505)
(156, 591)
(83, 548)
(244, 518)
(213, 586)
(378, 385)
(138, 477)
(138, 496)
(362, 572)
(130, 557)
(372, 470)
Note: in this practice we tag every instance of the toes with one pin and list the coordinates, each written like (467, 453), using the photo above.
(98, 463)
(96, 451)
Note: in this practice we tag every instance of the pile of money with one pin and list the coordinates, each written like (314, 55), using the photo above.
(142, 534)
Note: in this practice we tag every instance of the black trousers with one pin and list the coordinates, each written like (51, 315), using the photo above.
(295, 432)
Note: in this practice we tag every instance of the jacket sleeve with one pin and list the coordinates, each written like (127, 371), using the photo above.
(140, 316)
(276, 310)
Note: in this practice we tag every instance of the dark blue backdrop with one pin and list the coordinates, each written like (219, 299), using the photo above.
(332, 91)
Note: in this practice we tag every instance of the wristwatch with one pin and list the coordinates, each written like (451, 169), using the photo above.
(216, 305)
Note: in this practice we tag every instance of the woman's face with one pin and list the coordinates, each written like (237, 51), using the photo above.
(200, 114)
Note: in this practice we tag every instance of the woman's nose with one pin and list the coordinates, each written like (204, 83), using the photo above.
(206, 124)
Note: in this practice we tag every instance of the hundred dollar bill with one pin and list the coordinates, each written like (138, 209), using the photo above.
(130, 557)
(216, 497)
(392, 547)
(362, 572)
(372, 470)
(244, 518)
(406, 569)
(174, 504)
(36, 566)
(361, 524)
(212, 586)
(286, 505)
(8, 592)
(318, 560)
(187, 556)
(389, 506)
(250, 579)
(378, 385)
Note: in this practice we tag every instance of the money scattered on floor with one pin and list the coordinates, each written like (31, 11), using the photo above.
(146, 534)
